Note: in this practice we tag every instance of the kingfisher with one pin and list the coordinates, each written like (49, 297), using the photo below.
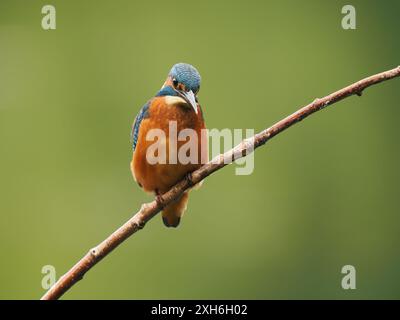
(175, 106)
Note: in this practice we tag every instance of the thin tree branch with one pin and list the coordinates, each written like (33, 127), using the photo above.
(149, 210)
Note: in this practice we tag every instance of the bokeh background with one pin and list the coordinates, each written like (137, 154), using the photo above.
(323, 194)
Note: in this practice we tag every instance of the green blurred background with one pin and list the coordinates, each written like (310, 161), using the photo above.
(323, 194)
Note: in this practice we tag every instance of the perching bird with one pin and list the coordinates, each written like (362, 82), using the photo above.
(176, 103)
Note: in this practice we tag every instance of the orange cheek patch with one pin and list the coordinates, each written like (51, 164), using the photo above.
(168, 82)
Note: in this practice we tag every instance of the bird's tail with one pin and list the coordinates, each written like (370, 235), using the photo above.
(173, 212)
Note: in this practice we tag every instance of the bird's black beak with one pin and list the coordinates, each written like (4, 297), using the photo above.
(190, 98)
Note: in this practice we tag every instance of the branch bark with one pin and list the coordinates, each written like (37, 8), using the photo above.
(149, 210)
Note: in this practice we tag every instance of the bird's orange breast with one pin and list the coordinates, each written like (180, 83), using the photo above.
(159, 177)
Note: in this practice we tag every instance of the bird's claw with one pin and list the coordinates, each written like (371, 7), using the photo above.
(160, 200)
(189, 178)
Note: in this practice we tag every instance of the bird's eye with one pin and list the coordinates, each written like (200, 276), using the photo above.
(175, 82)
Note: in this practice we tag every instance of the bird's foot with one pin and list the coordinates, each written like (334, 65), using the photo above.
(160, 200)
(189, 179)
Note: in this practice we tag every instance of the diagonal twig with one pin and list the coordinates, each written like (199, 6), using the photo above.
(149, 210)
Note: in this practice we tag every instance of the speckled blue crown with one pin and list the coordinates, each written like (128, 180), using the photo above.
(186, 74)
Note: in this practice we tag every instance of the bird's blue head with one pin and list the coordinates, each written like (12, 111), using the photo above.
(184, 81)
(185, 77)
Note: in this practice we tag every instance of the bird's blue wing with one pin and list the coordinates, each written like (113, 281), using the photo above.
(143, 113)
